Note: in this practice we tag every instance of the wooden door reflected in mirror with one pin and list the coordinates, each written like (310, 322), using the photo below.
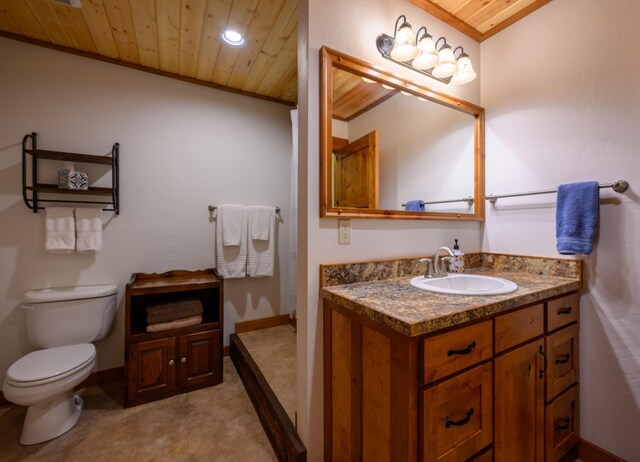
(355, 172)
(386, 141)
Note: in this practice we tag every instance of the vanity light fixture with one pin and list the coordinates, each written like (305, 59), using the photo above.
(233, 38)
(434, 59)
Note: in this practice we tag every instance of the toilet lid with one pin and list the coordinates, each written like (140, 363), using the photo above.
(51, 362)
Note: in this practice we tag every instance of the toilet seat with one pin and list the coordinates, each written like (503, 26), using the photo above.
(49, 365)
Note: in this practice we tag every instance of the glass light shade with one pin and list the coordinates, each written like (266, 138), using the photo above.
(446, 63)
(427, 56)
(465, 72)
(365, 79)
(404, 46)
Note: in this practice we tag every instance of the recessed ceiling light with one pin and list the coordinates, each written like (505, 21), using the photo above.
(233, 38)
(388, 87)
(368, 80)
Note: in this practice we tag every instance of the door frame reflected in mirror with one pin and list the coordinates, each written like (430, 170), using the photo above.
(330, 59)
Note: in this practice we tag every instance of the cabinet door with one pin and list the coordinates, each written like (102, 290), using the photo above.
(519, 405)
(152, 368)
(201, 358)
(457, 416)
(562, 352)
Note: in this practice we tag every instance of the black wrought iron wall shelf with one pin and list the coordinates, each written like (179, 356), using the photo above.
(36, 193)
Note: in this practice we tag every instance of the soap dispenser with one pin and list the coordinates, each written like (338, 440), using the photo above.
(456, 263)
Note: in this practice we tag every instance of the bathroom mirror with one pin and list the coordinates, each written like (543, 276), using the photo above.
(386, 141)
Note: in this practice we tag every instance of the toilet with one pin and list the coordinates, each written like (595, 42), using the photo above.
(63, 321)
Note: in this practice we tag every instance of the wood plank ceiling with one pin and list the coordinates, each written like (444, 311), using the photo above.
(480, 19)
(353, 96)
(178, 38)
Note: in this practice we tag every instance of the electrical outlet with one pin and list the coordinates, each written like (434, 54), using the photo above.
(344, 231)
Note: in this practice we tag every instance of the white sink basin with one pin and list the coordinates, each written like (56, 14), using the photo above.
(465, 284)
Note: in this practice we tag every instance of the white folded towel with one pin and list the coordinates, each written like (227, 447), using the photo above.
(60, 230)
(260, 218)
(89, 229)
(231, 260)
(232, 219)
(261, 257)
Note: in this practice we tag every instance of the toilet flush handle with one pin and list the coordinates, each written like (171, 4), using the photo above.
(29, 307)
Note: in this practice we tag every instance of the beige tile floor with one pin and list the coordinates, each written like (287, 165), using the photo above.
(213, 424)
(274, 351)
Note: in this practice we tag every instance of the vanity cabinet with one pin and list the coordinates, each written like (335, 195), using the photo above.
(161, 364)
(503, 388)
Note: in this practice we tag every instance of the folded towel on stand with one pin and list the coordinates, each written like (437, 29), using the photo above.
(89, 229)
(232, 219)
(231, 260)
(60, 230)
(577, 217)
(260, 218)
(261, 254)
(186, 322)
(415, 205)
(172, 311)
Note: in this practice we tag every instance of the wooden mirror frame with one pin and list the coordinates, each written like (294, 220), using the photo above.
(329, 59)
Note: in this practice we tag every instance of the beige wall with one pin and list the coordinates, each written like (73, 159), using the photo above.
(351, 27)
(182, 147)
(563, 103)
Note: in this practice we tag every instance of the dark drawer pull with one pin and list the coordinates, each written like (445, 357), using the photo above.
(566, 310)
(544, 357)
(459, 423)
(564, 359)
(563, 424)
(464, 351)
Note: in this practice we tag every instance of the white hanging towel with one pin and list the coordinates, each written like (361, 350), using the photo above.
(89, 229)
(60, 230)
(231, 260)
(261, 258)
(260, 218)
(232, 218)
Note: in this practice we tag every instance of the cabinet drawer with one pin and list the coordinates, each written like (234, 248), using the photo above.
(445, 354)
(457, 421)
(562, 311)
(562, 361)
(519, 326)
(562, 424)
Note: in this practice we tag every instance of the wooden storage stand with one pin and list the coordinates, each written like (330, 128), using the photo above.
(504, 388)
(161, 364)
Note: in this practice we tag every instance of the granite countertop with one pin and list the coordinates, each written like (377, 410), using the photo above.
(396, 304)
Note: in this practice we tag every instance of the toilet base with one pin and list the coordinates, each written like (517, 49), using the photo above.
(48, 420)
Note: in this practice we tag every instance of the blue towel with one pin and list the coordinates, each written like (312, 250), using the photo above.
(415, 205)
(576, 217)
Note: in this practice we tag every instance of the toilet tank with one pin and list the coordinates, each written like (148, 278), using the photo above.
(60, 316)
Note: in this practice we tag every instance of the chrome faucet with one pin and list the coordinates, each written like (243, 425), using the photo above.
(436, 266)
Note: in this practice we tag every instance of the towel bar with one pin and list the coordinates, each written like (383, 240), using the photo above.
(214, 207)
(469, 200)
(618, 186)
